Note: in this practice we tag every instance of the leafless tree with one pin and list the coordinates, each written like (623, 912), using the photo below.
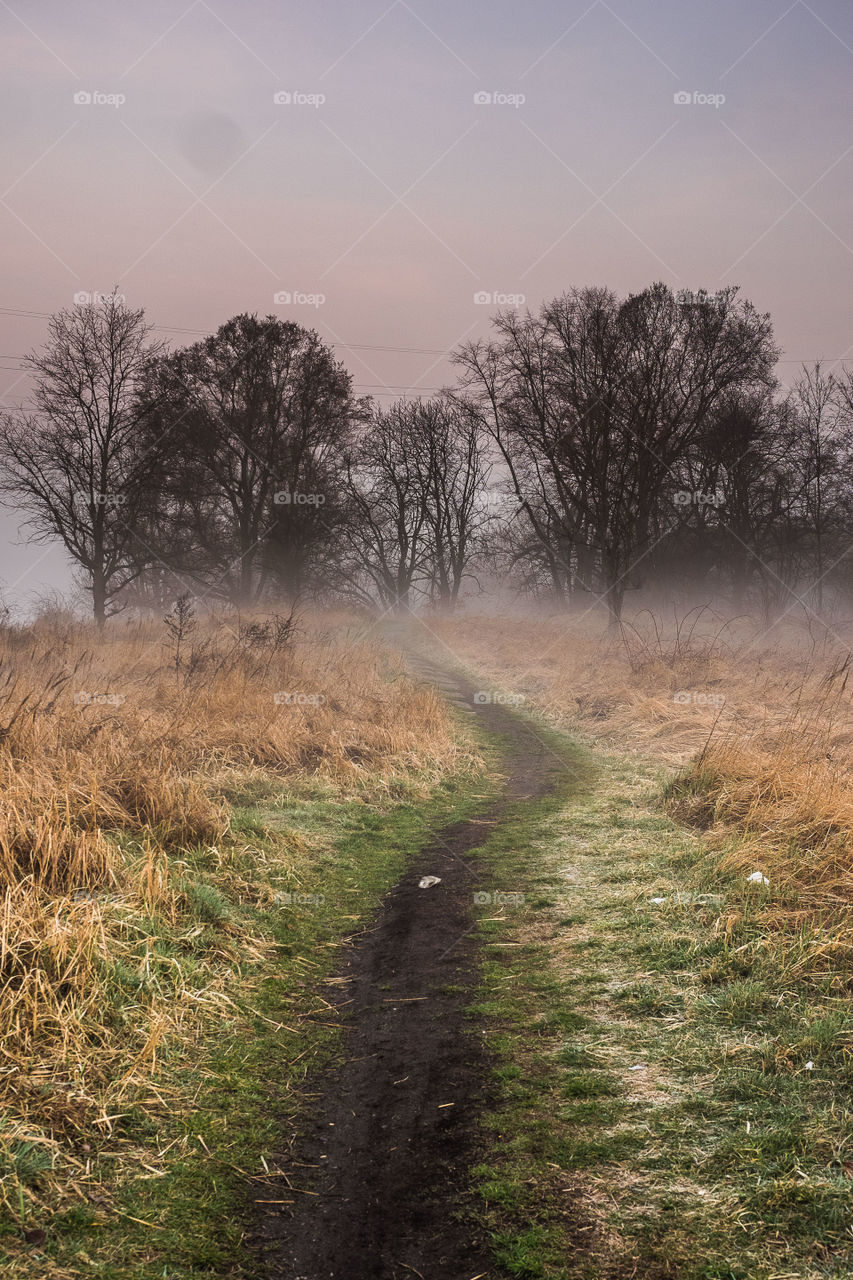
(821, 450)
(416, 482)
(257, 415)
(593, 403)
(448, 451)
(385, 536)
(74, 461)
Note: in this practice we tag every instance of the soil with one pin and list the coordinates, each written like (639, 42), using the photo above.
(383, 1169)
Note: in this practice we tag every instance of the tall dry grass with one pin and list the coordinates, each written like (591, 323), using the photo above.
(116, 753)
(755, 723)
(662, 685)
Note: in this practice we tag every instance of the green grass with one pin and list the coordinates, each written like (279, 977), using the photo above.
(667, 1099)
(726, 1155)
(176, 1173)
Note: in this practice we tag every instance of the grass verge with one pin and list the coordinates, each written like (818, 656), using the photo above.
(165, 1190)
(672, 1098)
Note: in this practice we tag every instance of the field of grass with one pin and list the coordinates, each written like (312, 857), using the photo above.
(667, 1100)
(754, 723)
(195, 817)
(186, 833)
(170, 1184)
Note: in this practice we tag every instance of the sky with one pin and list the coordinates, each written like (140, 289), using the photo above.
(390, 173)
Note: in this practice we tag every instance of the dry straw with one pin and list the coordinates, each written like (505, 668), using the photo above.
(756, 722)
(114, 759)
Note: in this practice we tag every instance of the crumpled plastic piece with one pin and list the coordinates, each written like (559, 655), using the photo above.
(757, 877)
(426, 882)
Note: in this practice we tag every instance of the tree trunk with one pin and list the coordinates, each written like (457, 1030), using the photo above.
(615, 596)
(99, 597)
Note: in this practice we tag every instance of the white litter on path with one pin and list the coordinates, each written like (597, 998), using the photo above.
(426, 882)
(691, 900)
(758, 877)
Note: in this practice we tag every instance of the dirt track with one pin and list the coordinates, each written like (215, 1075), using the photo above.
(393, 1135)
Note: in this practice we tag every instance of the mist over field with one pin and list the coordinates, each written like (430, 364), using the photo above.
(426, 492)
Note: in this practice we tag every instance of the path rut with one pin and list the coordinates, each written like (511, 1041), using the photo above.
(393, 1134)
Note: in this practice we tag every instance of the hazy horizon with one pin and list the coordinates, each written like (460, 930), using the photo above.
(399, 197)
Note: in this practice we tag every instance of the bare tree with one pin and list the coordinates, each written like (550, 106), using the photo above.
(75, 461)
(386, 535)
(821, 451)
(595, 401)
(447, 448)
(257, 416)
(745, 534)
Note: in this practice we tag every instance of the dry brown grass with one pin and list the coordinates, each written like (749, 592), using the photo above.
(762, 743)
(101, 794)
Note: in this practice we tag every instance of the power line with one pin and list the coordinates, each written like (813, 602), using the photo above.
(387, 388)
(172, 328)
(368, 346)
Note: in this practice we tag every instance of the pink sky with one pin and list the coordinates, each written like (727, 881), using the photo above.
(398, 197)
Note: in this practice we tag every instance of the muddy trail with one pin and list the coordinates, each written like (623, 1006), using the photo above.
(386, 1159)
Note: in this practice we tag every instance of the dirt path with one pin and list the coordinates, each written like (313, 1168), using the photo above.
(394, 1127)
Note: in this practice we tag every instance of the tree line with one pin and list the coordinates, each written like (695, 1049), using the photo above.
(599, 446)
